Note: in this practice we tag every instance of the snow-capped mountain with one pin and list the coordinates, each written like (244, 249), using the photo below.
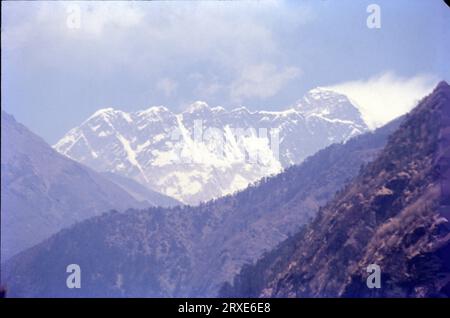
(190, 251)
(207, 152)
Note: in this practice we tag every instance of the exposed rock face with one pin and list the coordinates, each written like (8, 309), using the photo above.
(394, 214)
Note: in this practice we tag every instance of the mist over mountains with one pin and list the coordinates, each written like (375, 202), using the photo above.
(225, 149)
(190, 251)
(380, 197)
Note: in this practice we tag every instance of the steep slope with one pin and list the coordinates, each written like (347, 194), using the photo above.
(43, 191)
(205, 153)
(189, 251)
(395, 214)
(273, 209)
(140, 192)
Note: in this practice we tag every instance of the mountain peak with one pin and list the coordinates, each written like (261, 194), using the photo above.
(241, 109)
(328, 104)
(102, 111)
(442, 87)
(8, 117)
(197, 106)
(107, 113)
(320, 91)
(159, 108)
(218, 109)
(321, 95)
(438, 99)
(154, 110)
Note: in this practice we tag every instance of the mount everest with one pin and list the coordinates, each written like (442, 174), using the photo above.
(208, 152)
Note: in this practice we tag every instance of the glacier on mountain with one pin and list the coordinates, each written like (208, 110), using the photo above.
(205, 153)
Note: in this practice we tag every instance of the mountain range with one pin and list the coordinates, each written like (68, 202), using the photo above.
(381, 198)
(189, 251)
(394, 214)
(44, 191)
(204, 153)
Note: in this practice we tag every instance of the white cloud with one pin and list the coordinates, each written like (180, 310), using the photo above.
(167, 86)
(95, 18)
(261, 81)
(230, 35)
(205, 87)
(149, 42)
(386, 96)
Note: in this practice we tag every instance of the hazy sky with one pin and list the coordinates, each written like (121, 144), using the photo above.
(260, 54)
